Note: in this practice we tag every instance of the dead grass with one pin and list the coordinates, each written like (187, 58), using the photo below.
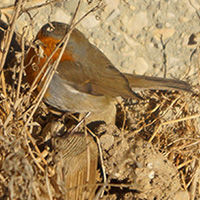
(168, 120)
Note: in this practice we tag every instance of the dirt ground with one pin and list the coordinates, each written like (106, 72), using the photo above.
(152, 150)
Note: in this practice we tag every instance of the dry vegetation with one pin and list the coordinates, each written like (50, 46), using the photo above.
(164, 128)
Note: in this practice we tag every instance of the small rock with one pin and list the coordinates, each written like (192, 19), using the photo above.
(150, 165)
(138, 22)
(181, 195)
(130, 41)
(141, 66)
(165, 33)
(114, 29)
(107, 141)
(183, 19)
(151, 175)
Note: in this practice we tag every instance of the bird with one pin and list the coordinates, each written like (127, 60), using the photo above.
(85, 79)
(76, 159)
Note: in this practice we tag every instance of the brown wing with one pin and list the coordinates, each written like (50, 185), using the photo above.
(86, 68)
(106, 81)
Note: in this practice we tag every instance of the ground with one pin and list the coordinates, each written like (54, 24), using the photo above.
(152, 151)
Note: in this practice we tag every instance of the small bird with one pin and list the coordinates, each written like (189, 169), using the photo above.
(86, 80)
(75, 158)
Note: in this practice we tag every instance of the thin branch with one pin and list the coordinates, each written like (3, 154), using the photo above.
(9, 33)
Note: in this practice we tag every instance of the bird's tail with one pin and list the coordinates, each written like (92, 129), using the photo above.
(155, 83)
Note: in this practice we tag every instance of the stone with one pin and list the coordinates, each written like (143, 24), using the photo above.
(107, 141)
(137, 23)
(165, 33)
(141, 66)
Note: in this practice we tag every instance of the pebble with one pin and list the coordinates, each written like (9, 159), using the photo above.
(97, 41)
(151, 175)
(183, 19)
(141, 66)
(124, 48)
(107, 141)
(181, 195)
(136, 23)
(114, 30)
(165, 33)
(130, 41)
(127, 64)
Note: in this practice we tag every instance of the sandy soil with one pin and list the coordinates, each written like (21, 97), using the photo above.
(147, 154)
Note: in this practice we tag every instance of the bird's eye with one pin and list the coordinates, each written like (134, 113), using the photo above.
(50, 29)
